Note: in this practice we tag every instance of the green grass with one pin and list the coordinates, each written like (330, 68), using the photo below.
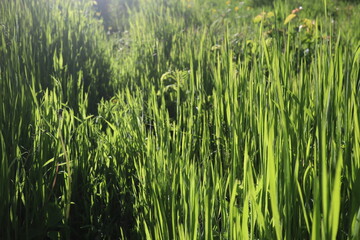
(199, 120)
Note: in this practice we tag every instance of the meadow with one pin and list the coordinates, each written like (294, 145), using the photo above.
(179, 119)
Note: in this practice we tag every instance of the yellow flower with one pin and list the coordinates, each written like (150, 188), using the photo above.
(236, 9)
(213, 10)
(228, 2)
(270, 15)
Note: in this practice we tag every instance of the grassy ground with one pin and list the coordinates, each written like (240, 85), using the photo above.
(179, 119)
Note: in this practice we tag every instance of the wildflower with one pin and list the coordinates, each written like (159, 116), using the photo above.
(300, 27)
(213, 10)
(270, 15)
(296, 10)
(236, 9)
(228, 2)
(259, 17)
(289, 18)
(215, 47)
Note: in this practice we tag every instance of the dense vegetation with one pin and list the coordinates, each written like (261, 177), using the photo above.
(179, 119)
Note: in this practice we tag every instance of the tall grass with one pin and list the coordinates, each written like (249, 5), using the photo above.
(217, 128)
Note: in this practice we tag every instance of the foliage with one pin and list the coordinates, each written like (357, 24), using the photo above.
(198, 119)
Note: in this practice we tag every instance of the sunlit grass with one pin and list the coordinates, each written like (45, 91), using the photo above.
(187, 126)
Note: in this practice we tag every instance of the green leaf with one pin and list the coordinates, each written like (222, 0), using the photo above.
(50, 161)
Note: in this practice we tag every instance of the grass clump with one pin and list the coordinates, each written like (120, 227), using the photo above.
(196, 120)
